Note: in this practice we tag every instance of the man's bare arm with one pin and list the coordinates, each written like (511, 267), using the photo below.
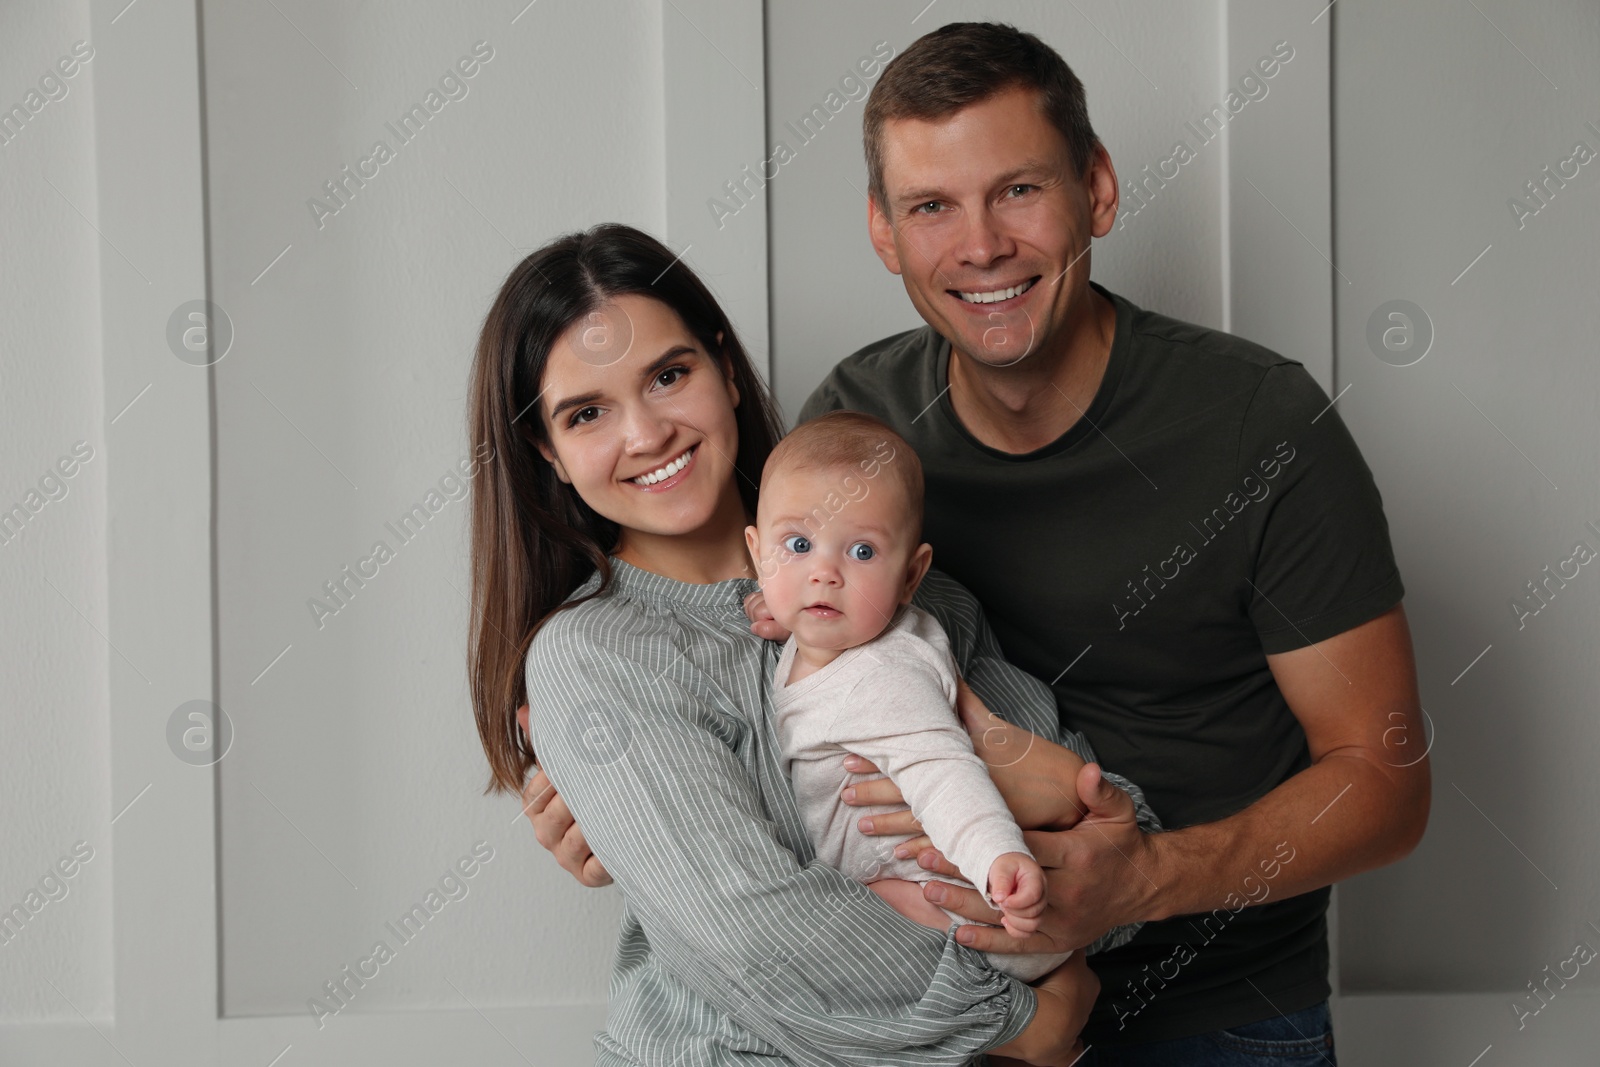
(1361, 804)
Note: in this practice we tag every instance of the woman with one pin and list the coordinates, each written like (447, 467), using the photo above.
(609, 577)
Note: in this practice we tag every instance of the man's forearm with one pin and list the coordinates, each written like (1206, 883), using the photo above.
(1343, 815)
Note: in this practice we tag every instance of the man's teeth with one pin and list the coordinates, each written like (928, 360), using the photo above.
(663, 473)
(997, 295)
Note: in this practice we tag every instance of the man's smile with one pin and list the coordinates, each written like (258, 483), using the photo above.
(999, 295)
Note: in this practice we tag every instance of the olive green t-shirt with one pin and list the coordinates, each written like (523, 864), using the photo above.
(1207, 509)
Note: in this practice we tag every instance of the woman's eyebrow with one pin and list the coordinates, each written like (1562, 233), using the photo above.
(659, 364)
(656, 366)
(573, 402)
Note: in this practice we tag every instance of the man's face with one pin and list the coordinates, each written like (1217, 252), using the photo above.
(987, 226)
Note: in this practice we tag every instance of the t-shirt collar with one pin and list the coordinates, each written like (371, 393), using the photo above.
(1121, 341)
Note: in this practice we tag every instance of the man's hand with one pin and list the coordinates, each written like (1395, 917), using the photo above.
(1051, 1040)
(555, 827)
(762, 622)
(1099, 874)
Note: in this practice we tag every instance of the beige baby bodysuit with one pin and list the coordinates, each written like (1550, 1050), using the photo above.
(892, 701)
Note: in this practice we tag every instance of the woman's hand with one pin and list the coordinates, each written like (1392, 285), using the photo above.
(1051, 1040)
(555, 827)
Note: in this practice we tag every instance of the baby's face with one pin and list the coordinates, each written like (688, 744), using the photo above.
(833, 568)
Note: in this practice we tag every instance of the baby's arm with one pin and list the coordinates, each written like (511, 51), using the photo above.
(901, 721)
(1016, 885)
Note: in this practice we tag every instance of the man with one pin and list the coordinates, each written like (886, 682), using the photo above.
(1169, 524)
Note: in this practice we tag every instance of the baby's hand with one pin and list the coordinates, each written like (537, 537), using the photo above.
(763, 623)
(1016, 885)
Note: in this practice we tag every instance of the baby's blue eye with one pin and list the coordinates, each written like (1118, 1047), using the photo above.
(796, 544)
(860, 551)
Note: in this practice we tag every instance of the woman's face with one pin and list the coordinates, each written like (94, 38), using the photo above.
(640, 418)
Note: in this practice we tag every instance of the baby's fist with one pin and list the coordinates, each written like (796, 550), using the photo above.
(1016, 885)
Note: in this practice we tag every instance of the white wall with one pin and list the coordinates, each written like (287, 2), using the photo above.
(342, 404)
(1485, 452)
(55, 791)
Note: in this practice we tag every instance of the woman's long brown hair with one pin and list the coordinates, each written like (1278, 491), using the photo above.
(534, 540)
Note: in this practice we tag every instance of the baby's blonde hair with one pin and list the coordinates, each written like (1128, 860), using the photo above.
(841, 440)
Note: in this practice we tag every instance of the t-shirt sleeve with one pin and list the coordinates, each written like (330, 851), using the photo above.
(637, 740)
(1318, 555)
(824, 398)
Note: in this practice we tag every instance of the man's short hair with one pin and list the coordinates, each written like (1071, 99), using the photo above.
(963, 63)
(858, 446)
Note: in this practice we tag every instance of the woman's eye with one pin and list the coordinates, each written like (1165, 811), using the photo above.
(796, 544)
(671, 375)
(861, 551)
(588, 414)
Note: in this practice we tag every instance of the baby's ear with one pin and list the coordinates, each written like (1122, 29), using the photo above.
(916, 570)
(752, 542)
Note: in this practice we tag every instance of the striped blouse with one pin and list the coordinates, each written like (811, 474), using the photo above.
(651, 716)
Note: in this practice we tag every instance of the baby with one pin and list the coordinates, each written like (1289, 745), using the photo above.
(864, 672)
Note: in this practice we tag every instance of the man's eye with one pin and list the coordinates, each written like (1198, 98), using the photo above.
(931, 207)
(1019, 190)
(861, 551)
(588, 414)
(796, 544)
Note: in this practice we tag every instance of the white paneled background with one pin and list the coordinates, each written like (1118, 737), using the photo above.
(176, 562)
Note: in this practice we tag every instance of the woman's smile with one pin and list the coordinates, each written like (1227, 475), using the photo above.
(669, 474)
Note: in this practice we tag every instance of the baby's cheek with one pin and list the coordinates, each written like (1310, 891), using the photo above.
(783, 598)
